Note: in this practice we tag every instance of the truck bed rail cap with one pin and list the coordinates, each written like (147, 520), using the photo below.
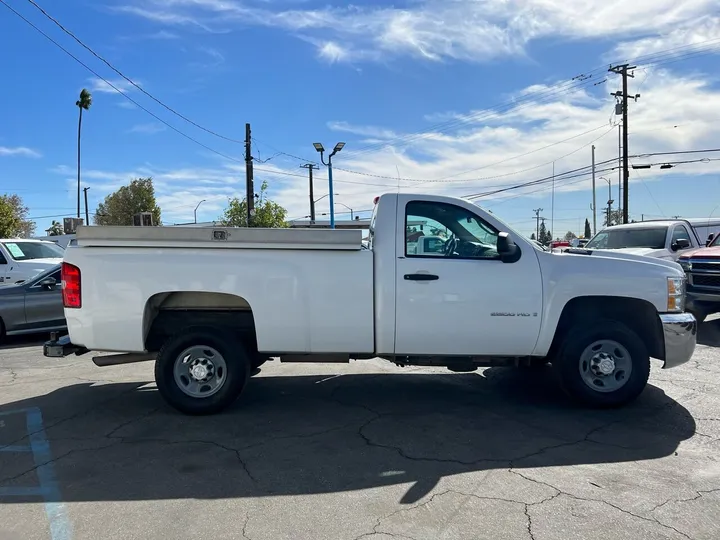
(220, 237)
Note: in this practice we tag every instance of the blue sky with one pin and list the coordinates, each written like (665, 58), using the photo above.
(464, 95)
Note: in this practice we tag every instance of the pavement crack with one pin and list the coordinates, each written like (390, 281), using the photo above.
(55, 459)
(698, 494)
(244, 529)
(146, 414)
(601, 501)
(529, 522)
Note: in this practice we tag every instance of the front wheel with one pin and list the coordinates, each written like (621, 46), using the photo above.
(201, 371)
(603, 364)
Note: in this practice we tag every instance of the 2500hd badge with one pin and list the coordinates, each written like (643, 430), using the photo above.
(502, 314)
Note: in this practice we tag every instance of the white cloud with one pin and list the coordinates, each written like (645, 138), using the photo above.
(215, 56)
(19, 151)
(98, 85)
(482, 151)
(148, 129)
(434, 30)
(702, 34)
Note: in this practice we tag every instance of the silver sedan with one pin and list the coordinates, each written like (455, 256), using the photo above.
(33, 306)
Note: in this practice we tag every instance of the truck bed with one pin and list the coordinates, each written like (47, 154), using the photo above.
(307, 290)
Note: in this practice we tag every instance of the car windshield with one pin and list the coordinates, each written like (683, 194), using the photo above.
(25, 251)
(631, 237)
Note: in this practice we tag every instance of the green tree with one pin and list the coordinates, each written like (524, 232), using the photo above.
(588, 231)
(56, 229)
(268, 214)
(532, 236)
(616, 217)
(119, 208)
(13, 218)
(570, 235)
(83, 104)
(544, 236)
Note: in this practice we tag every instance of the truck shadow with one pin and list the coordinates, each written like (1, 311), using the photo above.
(298, 435)
(709, 333)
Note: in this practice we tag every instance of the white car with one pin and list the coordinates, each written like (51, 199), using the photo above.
(22, 259)
(210, 304)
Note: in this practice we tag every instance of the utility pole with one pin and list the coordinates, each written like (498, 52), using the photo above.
(249, 187)
(620, 167)
(622, 70)
(310, 167)
(537, 222)
(87, 214)
(594, 206)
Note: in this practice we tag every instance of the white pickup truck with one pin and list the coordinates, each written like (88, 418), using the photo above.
(209, 305)
(666, 239)
(24, 258)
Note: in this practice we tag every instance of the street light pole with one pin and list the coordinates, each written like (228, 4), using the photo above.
(195, 211)
(320, 148)
(352, 214)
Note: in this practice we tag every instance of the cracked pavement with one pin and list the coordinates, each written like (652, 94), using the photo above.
(364, 451)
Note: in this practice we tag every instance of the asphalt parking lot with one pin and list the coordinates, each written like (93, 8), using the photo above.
(359, 451)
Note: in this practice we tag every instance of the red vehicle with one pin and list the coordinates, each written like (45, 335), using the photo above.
(702, 267)
(559, 244)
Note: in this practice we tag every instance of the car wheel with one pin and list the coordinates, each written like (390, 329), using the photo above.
(201, 371)
(602, 364)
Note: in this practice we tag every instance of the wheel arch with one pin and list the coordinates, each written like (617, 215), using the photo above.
(638, 315)
(166, 312)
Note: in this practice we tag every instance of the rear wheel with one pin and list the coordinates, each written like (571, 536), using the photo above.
(603, 364)
(201, 371)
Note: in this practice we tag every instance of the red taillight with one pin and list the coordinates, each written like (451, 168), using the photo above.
(71, 293)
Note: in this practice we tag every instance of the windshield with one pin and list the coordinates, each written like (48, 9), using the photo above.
(650, 237)
(25, 251)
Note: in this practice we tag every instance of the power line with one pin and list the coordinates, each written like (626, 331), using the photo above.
(448, 178)
(71, 55)
(128, 79)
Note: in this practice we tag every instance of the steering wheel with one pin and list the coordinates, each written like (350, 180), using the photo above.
(450, 245)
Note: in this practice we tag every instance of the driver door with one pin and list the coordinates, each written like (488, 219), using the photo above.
(464, 302)
(43, 306)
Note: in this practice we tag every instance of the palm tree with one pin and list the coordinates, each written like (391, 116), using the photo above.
(83, 103)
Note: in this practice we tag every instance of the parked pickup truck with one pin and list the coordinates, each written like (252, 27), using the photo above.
(667, 239)
(209, 305)
(702, 267)
(22, 259)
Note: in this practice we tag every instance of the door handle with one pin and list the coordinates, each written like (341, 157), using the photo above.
(421, 277)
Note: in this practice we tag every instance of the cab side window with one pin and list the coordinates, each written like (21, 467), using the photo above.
(435, 229)
(680, 232)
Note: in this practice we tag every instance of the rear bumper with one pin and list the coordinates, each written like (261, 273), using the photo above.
(680, 335)
(59, 348)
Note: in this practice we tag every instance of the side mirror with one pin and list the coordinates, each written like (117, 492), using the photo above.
(507, 249)
(680, 243)
(48, 283)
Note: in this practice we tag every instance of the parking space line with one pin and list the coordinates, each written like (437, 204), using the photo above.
(56, 511)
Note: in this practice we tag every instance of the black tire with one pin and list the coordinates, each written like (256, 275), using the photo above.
(567, 363)
(236, 376)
